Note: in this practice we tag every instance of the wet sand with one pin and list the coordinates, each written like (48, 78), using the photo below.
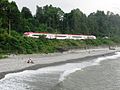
(17, 63)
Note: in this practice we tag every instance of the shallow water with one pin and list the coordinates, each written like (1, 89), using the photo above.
(87, 75)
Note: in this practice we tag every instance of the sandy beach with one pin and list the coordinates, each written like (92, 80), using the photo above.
(16, 63)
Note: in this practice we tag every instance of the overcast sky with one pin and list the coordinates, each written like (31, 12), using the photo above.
(86, 6)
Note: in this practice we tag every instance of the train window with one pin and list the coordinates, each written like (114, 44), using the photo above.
(37, 35)
(76, 36)
(60, 36)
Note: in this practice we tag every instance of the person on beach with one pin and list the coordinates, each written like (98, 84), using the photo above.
(30, 61)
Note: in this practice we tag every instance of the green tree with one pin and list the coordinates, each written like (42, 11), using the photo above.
(26, 13)
(13, 16)
(3, 13)
(75, 22)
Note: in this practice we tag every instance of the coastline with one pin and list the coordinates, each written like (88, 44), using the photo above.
(18, 63)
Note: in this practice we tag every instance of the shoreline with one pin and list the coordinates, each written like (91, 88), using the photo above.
(51, 60)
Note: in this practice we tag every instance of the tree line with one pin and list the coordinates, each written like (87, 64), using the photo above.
(54, 20)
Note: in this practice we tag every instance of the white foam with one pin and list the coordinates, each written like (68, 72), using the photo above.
(15, 80)
(66, 73)
(75, 67)
(117, 54)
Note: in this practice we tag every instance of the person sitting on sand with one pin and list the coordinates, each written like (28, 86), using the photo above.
(30, 61)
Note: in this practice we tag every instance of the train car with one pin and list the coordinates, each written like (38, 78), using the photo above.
(35, 34)
(58, 36)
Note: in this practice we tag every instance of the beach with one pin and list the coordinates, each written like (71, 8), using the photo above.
(71, 70)
(17, 63)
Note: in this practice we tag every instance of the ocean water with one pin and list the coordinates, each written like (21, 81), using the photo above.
(102, 73)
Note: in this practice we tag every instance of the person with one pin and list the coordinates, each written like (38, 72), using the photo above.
(30, 61)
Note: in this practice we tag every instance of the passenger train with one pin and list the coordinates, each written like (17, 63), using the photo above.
(58, 36)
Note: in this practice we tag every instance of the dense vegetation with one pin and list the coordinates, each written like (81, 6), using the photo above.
(13, 23)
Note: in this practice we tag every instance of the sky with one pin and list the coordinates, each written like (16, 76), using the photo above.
(86, 6)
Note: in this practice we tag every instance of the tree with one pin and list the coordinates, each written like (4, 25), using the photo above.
(26, 13)
(75, 22)
(3, 13)
(99, 23)
(40, 15)
(50, 16)
(9, 15)
(13, 16)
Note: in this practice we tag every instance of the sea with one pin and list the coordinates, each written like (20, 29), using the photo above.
(101, 73)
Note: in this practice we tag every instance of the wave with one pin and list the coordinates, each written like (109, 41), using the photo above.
(117, 55)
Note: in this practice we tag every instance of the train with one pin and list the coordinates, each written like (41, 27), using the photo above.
(58, 36)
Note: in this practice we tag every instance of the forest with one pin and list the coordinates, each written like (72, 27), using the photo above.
(13, 23)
